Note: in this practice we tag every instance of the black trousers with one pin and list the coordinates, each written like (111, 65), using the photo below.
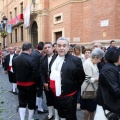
(40, 91)
(50, 98)
(11, 77)
(27, 96)
(66, 107)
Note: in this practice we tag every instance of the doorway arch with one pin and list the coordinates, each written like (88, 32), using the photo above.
(34, 34)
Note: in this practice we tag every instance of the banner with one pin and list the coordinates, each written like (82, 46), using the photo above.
(9, 28)
(27, 16)
(16, 20)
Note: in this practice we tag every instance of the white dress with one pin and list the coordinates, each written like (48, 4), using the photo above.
(99, 114)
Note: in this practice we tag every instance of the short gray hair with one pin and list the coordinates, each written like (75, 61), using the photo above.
(62, 38)
(98, 44)
(97, 53)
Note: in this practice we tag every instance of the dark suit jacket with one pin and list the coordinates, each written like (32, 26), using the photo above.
(37, 58)
(7, 59)
(109, 88)
(44, 69)
(24, 67)
(72, 74)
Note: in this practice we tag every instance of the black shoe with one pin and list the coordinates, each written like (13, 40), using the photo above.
(15, 93)
(51, 118)
(40, 112)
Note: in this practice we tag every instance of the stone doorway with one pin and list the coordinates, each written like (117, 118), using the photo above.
(57, 35)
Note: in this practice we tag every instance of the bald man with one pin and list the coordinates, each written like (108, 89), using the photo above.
(8, 69)
(97, 45)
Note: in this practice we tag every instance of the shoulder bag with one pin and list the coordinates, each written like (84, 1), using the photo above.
(89, 94)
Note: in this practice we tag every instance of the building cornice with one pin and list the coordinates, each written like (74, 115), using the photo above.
(66, 3)
(46, 12)
(42, 12)
(104, 42)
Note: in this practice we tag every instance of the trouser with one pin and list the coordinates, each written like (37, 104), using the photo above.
(27, 96)
(66, 107)
(50, 98)
(40, 91)
(11, 77)
(78, 95)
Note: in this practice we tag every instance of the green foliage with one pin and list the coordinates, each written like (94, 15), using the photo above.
(3, 33)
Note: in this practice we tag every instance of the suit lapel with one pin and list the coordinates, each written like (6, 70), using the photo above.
(52, 60)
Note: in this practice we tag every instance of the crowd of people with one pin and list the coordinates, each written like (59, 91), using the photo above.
(64, 72)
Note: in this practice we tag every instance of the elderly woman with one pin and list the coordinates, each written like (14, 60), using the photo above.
(92, 74)
(108, 95)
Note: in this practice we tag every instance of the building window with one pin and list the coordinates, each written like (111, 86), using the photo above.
(58, 18)
(21, 7)
(11, 38)
(10, 15)
(15, 12)
(21, 33)
(15, 35)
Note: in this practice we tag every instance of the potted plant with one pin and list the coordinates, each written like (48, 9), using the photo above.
(3, 34)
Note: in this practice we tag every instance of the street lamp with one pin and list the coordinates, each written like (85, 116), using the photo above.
(3, 23)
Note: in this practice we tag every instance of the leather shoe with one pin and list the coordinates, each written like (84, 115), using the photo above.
(51, 118)
(15, 93)
(40, 112)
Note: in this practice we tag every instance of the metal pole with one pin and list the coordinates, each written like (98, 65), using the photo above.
(3, 42)
(3, 37)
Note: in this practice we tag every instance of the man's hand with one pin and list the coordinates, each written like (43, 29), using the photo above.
(46, 86)
(5, 72)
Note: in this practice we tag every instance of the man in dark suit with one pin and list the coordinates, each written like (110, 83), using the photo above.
(48, 49)
(8, 69)
(66, 77)
(24, 67)
(37, 56)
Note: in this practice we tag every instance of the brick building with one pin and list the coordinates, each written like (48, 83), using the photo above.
(81, 21)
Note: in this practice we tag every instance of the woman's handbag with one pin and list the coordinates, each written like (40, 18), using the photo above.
(109, 115)
(89, 94)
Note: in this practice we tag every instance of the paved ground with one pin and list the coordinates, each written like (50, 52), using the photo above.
(9, 101)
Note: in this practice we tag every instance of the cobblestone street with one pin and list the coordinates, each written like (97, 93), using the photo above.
(9, 102)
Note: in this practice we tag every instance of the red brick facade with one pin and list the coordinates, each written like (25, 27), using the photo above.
(82, 21)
